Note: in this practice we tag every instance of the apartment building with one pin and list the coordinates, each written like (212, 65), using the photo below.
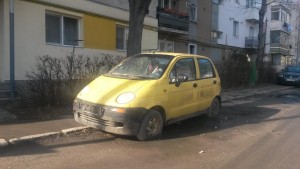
(54, 27)
(283, 39)
(185, 27)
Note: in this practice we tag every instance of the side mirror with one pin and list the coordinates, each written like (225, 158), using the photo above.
(181, 78)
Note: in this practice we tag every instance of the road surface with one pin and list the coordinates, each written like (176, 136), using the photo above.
(260, 132)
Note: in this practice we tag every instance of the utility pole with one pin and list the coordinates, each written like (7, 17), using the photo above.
(12, 48)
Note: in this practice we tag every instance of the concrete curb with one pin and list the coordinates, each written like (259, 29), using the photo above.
(3, 143)
(36, 137)
(29, 138)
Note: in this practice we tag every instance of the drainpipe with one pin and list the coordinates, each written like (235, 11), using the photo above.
(12, 48)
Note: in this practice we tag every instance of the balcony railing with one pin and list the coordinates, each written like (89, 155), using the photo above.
(279, 48)
(173, 20)
(251, 42)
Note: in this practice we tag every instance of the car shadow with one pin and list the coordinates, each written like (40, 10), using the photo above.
(230, 116)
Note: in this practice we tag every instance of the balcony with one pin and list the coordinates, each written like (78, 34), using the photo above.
(252, 16)
(277, 48)
(173, 21)
(281, 26)
(251, 42)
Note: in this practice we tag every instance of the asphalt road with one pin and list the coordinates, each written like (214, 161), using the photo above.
(256, 132)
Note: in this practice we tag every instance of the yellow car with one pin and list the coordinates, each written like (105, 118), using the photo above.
(148, 91)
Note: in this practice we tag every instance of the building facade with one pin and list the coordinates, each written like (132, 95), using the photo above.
(53, 27)
(283, 37)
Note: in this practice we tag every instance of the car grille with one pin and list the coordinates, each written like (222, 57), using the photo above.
(93, 119)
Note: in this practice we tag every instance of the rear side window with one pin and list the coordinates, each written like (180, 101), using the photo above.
(206, 69)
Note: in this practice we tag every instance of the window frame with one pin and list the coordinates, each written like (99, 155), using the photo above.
(165, 47)
(273, 11)
(125, 37)
(172, 81)
(193, 19)
(210, 64)
(236, 28)
(61, 29)
(195, 48)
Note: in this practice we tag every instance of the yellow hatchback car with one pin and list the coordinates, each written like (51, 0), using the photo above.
(148, 91)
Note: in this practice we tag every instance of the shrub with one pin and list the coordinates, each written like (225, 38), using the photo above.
(55, 81)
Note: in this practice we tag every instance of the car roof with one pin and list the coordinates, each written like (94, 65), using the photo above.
(175, 54)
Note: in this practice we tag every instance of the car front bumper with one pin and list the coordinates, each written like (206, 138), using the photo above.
(107, 118)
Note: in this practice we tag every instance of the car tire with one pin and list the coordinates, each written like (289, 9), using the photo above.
(214, 108)
(151, 126)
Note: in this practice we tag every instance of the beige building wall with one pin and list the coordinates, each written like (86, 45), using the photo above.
(4, 39)
(30, 33)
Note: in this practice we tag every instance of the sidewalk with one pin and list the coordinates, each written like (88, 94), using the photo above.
(12, 128)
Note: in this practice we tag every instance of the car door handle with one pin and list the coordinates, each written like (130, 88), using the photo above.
(214, 82)
(195, 85)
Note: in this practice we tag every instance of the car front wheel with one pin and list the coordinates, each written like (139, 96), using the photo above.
(151, 126)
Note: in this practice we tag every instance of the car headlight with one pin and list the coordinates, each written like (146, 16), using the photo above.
(84, 91)
(125, 98)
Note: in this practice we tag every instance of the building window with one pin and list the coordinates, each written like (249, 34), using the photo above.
(251, 32)
(121, 37)
(192, 48)
(169, 4)
(215, 35)
(165, 46)
(250, 3)
(275, 37)
(193, 13)
(275, 14)
(235, 28)
(237, 1)
(61, 30)
(284, 16)
(279, 14)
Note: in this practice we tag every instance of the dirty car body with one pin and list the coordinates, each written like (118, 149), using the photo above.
(148, 91)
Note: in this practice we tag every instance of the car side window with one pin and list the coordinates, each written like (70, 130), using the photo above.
(185, 67)
(206, 69)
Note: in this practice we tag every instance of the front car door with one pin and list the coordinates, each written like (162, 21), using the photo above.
(181, 97)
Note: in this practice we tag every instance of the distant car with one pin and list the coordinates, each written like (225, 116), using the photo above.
(148, 91)
(289, 76)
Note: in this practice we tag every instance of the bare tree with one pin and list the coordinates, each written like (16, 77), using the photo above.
(138, 10)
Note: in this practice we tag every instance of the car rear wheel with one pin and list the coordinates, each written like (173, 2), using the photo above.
(214, 108)
(151, 126)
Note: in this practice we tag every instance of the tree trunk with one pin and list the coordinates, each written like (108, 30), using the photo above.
(261, 40)
(138, 10)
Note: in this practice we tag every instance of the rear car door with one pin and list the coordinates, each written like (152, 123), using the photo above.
(208, 83)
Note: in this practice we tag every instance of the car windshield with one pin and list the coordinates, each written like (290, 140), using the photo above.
(142, 66)
(293, 69)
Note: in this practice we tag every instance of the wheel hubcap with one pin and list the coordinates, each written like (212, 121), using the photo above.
(152, 127)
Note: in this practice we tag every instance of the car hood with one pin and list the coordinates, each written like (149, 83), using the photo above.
(105, 90)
